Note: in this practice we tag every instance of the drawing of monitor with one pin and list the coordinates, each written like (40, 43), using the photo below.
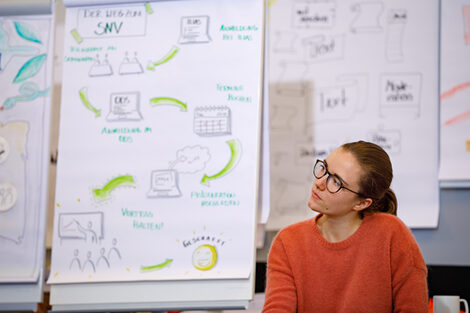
(124, 106)
(164, 184)
(194, 29)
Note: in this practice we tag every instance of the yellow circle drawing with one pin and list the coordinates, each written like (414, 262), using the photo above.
(204, 257)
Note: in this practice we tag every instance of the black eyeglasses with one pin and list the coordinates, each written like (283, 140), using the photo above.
(333, 182)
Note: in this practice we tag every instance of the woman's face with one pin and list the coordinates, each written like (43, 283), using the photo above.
(344, 165)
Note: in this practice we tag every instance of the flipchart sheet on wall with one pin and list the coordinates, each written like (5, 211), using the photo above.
(25, 87)
(342, 71)
(159, 142)
(455, 83)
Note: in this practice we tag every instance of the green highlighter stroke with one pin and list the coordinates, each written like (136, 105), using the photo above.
(104, 193)
(170, 101)
(156, 267)
(83, 96)
(151, 66)
(235, 149)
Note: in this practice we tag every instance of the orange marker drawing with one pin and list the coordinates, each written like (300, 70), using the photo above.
(454, 90)
(466, 21)
(458, 118)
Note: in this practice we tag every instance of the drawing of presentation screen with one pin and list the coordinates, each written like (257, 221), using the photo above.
(194, 29)
(124, 107)
(164, 184)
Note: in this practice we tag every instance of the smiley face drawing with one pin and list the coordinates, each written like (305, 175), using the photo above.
(204, 257)
(4, 149)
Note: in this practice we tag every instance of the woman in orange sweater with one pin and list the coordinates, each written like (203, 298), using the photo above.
(355, 255)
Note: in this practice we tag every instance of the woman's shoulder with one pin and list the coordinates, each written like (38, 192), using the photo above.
(390, 225)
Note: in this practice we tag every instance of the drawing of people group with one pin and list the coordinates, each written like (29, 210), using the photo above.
(91, 263)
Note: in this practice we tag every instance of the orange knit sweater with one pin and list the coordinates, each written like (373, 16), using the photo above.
(378, 269)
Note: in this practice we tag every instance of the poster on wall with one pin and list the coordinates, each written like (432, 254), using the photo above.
(159, 142)
(343, 71)
(454, 94)
(25, 80)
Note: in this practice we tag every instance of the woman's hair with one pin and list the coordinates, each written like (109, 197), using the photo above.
(376, 177)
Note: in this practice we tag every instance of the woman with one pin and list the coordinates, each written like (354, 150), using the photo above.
(355, 255)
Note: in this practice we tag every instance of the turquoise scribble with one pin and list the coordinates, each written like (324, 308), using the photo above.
(30, 68)
(7, 52)
(26, 32)
(29, 91)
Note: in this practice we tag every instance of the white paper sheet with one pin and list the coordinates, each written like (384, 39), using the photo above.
(159, 135)
(342, 71)
(455, 90)
(25, 80)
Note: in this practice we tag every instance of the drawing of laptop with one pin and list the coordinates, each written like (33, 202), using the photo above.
(164, 184)
(124, 106)
(194, 29)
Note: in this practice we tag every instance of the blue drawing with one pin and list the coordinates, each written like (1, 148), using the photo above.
(30, 68)
(7, 52)
(28, 92)
(26, 32)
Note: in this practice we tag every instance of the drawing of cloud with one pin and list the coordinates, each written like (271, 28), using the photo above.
(191, 159)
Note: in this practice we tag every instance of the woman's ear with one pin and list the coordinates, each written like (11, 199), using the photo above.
(362, 204)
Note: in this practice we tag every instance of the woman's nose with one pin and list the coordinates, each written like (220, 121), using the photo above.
(320, 183)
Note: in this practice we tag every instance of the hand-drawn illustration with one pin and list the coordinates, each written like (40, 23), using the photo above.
(212, 121)
(26, 32)
(110, 22)
(191, 159)
(388, 139)
(293, 80)
(100, 67)
(104, 193)
(307, 152)
(75, 263)
(336, 103)
(130, 66)
(314, 14)
(86, 226)
(173, 51)
(102, 259)
(164, 184)
(284, 42)
(4, 149)
(400, 94)
(458, 118)
(83, 93)
(194, 29)
(148, 8)
(236, 152)
(205, 257)
(89, 263)
(466, 23)
(124, 106)
(397, 20)
(367, 17)
(114, 251)
(164, 264)
(169, 101)
(7, 52)
(282, 117)
(8, 196)
(13, 181)
(30, 68)
(29, 91)
(321, 48)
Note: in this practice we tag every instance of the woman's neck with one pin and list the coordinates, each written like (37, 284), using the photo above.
(338, 228)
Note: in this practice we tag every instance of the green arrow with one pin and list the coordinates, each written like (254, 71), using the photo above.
(83, 96)
(151, 66)
(156, 267)
(235, 149)
(103, 193)
(170, 101)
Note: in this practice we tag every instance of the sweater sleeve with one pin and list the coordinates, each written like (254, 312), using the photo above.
(281, 295)
(409, 272)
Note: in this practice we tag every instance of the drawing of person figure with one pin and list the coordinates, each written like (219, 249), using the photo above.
(75, 263)
(88, 232)
(114, 250)
(88, 261)
(102, 258)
